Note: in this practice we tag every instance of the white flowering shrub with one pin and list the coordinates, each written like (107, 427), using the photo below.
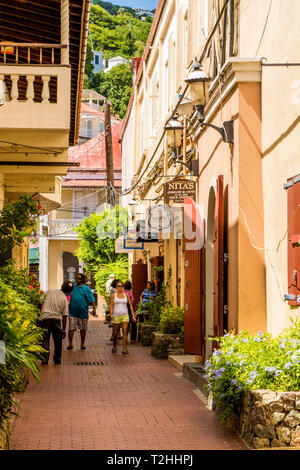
(244, 362)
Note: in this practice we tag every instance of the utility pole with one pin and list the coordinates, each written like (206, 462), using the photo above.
(109, 155)
(131, 42)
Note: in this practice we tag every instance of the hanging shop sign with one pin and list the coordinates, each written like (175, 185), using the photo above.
(119, 246)
(175, 191)
(131, 242)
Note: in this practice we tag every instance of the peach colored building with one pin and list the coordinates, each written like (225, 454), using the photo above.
(243, 138)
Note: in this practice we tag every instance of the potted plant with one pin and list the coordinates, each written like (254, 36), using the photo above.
(170, 331)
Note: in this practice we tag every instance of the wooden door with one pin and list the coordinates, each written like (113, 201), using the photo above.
(219, 260)
(194, 282)
(157, 276)
(139, 281)
(70, 266)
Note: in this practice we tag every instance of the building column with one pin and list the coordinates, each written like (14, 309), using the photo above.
(64, 28)
(44, 245)
(2, 191)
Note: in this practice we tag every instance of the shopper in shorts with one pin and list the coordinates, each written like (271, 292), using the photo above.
(81, 298)
(119, 315)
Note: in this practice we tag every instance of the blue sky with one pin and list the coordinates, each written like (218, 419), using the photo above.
(146, 4)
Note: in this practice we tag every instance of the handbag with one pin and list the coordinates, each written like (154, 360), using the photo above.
(129, 310)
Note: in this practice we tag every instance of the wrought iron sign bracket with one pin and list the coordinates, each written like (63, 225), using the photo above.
(226, 130)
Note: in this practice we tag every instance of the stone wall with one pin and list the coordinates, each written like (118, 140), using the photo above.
(161, 343)
(146, 331)
(270, 419)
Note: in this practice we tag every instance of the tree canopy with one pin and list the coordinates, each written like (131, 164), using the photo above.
(116, 85)
(120, 34)
(97, 235)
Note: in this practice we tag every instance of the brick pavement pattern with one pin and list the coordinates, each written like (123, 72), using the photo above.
(131, 402)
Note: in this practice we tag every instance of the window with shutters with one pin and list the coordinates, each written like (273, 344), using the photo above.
(293, 224)
(182, 47)
(171, 72)
(89, 128)
(154, 101)
(85, 202)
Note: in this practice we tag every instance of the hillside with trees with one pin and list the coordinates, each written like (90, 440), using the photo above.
(119, 33)
(122, 34)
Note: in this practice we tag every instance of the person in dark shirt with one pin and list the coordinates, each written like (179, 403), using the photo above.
(81, 298)
(148, 293)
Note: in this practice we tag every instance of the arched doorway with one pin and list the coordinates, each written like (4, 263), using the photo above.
(209, 272)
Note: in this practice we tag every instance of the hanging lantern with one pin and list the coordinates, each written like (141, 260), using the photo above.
(174, 132)
(8, 50)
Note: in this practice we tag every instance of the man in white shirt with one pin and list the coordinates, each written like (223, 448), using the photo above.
(108, 283)
(54, 316)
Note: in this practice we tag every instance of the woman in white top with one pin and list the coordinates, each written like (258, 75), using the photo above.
(119, 315)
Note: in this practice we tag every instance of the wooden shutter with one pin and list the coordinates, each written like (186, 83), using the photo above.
(293, 223)
(219, 260)
(194, 286)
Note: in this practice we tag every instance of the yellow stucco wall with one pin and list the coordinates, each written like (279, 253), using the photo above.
(55, 260)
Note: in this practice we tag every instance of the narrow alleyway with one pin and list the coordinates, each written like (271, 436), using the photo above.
(129, 402)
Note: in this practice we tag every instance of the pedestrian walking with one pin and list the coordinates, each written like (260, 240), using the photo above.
(148, 293)
(108, 284)
(132, 325)
(120, 304)
(54, 319)
(113, 290)
(81, 298)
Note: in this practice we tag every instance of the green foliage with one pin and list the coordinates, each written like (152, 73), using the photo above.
(21, 336)
(171, 319)
(119, 268)
(244, 362)
(112, 9)
(89, 66)
(19, 301)
(97, 235)
(21, 282)
(116, 85)
(18, 219)
(117, 34)
(153, 309)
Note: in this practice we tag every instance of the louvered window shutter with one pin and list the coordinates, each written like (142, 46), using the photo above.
(293, 223)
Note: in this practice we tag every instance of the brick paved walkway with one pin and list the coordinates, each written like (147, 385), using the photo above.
(131, 402)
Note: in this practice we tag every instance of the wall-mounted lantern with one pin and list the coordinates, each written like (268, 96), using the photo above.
(198, 82)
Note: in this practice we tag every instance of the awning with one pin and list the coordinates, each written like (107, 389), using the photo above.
(34, 255)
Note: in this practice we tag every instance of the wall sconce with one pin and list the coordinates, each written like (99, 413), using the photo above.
(198, 81)
(133, 202)
(174, 130)
(174, 135)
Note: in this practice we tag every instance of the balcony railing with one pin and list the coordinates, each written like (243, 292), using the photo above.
(63, 228)
(30, 87)
(30, 53)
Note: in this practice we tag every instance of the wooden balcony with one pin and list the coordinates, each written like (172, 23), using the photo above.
(38, 87)
(63, 228)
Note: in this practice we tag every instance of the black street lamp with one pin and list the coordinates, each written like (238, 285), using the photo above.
(198, 81)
